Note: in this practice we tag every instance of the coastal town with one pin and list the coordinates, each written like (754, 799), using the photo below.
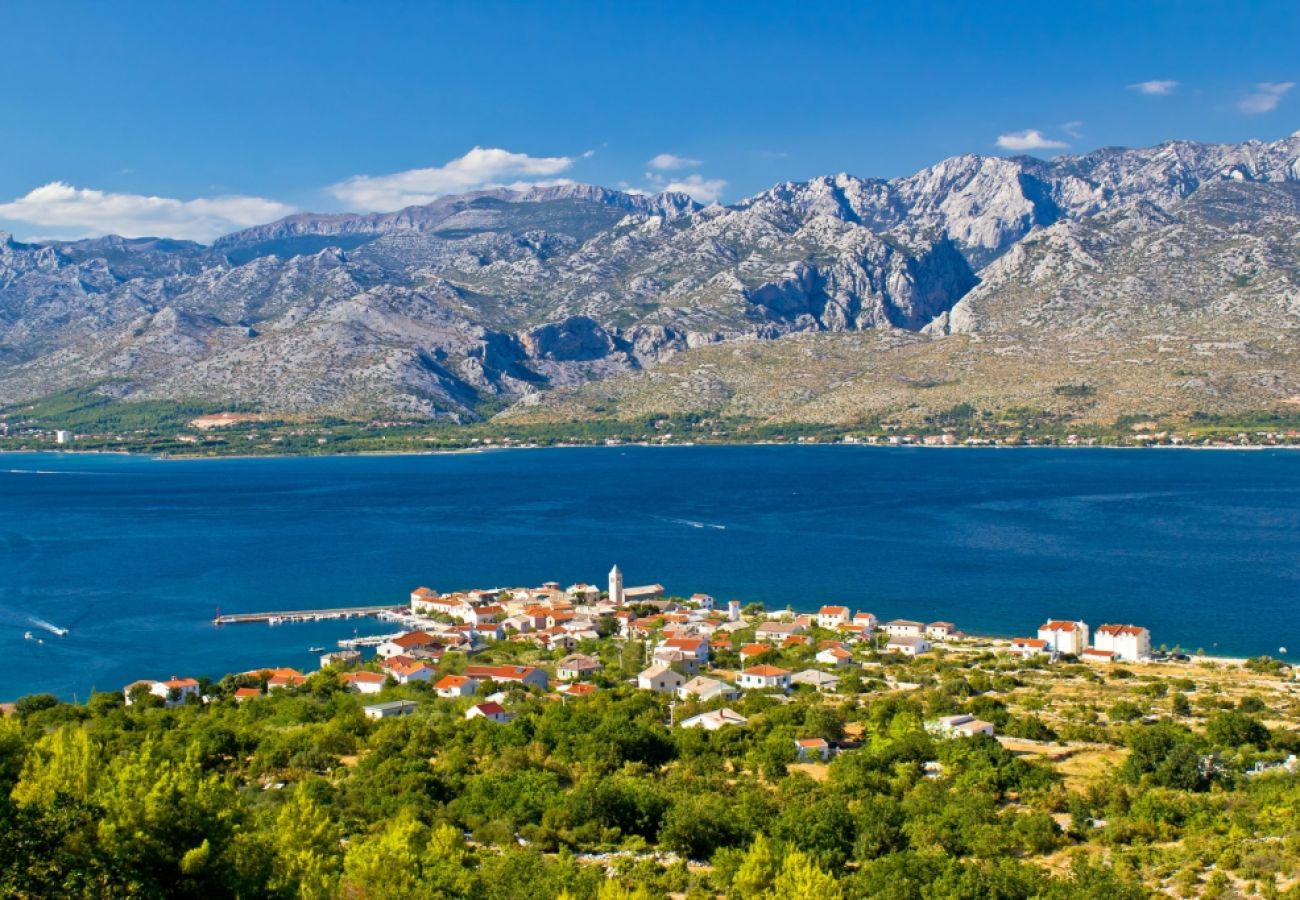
(689, 648)
(617, 734)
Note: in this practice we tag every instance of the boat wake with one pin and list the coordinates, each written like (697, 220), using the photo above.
(694, 524)
(52, 629)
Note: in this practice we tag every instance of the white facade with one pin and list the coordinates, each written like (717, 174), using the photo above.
(660, 679)
(833, 617)
(908, 645)
(616, 585)
(764, 678)
(904, 628)
(1067, 638)
(1127, 642)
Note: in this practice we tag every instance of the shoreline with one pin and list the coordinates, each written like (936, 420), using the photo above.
(195, 457)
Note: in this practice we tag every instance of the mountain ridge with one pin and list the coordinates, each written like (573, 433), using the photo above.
(529, 298)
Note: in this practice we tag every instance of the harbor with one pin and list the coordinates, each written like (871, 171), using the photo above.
(301, 615)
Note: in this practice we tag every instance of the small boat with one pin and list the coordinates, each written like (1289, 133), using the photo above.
(315, 649)
(27, 636)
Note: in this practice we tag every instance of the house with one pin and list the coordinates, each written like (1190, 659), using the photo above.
(451, 686)
(1065, 637)
(577, 689)
(940, 631)
(832, 616)
(285, 678)
(904, 628)
(577, 667)
(1026, 647)
(584, 593)
(686, 663)
(816, 679)
(835, 656)
(660, 678)
(173, 692)
(809, 749)
(753, 651)
(404, 643)
(246, 693)
(1093, 655)
(391, 709)
(421, 596)
(712, 721)
(907, 645)
(972, 728)
(777, 631)
(340, 658)
(491, 711)
(363, 682)
(765, 678)
(408, 672)
(1128, 642)
(703, 601)
(697, 647)
(865, 619)
(959, 725)
(705, 689)
(525, 675)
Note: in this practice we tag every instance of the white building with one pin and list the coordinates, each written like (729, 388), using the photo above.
(492, 711)
(1026, 647)
(1066, 638)
(834, 656)
(661, 679)
(960, 725)
(63, 437)
(705, 689)
(712, 721)
(904, 628)
(810, 749)
(1127, 642)
(765, 678)
(391, 709)
(364, 682)
(908, 645)
(174, 691)
(450, 686)
(833, 617)
(703, 601)
(940, 631)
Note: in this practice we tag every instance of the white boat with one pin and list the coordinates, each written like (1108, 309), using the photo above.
(27, 636)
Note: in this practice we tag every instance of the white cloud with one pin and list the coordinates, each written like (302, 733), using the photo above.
(1073, 129)
(74, 212)
(1029, 139)
(699, 188)
(478, 169)
(666, 162)
(1265, 98)
(1155, 88)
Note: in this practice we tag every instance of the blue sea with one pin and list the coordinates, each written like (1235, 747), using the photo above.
(134, 555)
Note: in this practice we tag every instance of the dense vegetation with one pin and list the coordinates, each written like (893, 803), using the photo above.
(298, 794)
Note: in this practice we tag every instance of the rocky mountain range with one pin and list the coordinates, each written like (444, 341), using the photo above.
(980, 279)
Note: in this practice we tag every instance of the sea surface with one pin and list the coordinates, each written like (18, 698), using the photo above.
(134, 555)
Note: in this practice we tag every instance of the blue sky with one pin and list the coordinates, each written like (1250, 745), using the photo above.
(191, 119)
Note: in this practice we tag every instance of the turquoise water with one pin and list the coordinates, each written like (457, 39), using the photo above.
(135, 555)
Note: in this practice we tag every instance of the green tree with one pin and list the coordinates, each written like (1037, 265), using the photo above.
(756, 872)
(801, 879)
